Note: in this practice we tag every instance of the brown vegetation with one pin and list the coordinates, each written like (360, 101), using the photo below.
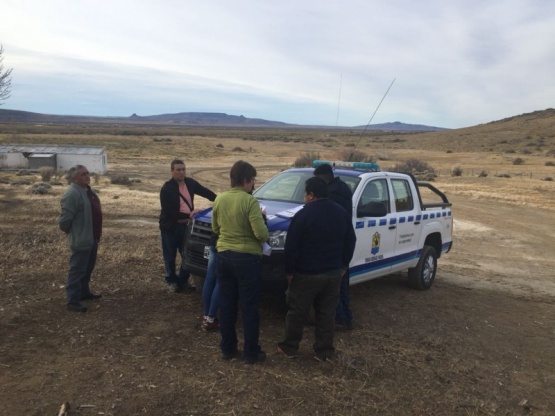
(479, 342)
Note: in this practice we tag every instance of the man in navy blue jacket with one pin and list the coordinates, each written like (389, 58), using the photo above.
(319, 246)
(339, 192)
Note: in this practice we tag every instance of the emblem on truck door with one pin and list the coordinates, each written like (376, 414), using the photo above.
(375, 243)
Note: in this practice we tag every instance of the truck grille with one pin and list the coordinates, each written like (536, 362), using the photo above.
(201, 233)
(199, 236)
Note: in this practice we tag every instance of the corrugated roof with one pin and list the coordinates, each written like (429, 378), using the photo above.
(74, 150)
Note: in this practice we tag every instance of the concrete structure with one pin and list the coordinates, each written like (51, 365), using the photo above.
(59, 157)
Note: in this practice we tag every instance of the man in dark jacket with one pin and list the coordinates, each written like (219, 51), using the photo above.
(339, 192)
(319, 246)
(177, 202)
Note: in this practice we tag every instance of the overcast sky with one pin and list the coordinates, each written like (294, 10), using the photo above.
(316, 62)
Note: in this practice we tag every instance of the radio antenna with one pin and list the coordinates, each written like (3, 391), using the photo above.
(339, 100)
(371, 118)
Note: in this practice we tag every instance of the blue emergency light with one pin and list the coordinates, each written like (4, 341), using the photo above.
(366, 166)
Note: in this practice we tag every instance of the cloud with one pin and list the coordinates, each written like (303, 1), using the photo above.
(455, 64)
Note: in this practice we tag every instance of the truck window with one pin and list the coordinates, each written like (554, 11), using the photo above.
(402, 194)
(375, 191)
(287, 187)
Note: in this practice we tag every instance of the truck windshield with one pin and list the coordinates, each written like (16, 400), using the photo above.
(289, 186)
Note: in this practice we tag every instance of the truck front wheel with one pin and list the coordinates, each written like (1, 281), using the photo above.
(422, 276)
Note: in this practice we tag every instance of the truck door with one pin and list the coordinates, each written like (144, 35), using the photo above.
(408, 222)
(375, 239)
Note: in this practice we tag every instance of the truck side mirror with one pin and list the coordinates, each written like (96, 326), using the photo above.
(372, 209)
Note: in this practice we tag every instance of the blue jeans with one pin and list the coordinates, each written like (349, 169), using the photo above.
(172, 243)
(239, 276)
(343, 313)
(211, 288)
(81, 266)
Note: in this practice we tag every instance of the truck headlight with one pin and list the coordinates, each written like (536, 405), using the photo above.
(277, 239)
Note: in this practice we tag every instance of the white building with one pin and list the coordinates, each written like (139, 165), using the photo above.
(13, 156)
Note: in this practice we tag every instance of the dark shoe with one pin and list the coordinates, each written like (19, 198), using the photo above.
(173, 287)
(91, 296)
(280, 351)
(322, 357)
(76, 307)
(343, 326)
(187, 288)
(228, 356)
(258, 358)
(208, 326)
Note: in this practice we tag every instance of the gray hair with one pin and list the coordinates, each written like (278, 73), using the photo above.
(70, 176)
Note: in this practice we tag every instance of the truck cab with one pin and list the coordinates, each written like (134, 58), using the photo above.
(395, 230)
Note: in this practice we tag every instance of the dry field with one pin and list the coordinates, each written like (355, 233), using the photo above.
(481, 341)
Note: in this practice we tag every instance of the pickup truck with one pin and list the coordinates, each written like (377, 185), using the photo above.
(395, 229)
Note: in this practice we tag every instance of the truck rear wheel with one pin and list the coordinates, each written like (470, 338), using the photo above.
(422, 276)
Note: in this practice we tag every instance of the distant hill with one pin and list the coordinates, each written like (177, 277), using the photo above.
(398, 126)
(192, 118)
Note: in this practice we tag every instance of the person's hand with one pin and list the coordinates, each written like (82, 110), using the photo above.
(194, 212)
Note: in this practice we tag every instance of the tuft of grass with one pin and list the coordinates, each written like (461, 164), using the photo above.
(305, 159)
(456, 171)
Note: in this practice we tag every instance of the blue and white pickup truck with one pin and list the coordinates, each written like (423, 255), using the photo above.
(395, 229)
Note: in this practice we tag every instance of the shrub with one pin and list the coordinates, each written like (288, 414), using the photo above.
(548, 178)
(549, 163)
(46, 173)
(23, 172)
(503, 175)
(355, 156)
(220, 146)
(421, 170)
(456, 171)
(449, 151)
(305, 159)
(413, 166)
(120, 180)
(95, 177)
(41, 188)
(238, 149)
(518, 161)
(483, 174)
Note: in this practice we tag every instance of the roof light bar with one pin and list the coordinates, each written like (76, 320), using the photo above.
(367, 166)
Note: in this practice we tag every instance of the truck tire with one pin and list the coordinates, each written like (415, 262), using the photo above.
(422, 276)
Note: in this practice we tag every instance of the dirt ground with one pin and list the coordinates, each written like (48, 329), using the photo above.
(481, 341)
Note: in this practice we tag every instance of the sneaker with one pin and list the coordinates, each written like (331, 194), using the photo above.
(280, 351)
(91, 296)
(208, 326)
(258, 358)
(76, 307)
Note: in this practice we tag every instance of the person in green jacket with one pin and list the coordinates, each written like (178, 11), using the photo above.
(238, 222)
(81, 219)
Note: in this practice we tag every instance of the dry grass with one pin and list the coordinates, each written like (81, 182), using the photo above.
(457, 349)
